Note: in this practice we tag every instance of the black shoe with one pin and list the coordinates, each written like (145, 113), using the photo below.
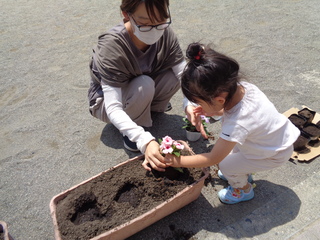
(169, 107)
(131, 146)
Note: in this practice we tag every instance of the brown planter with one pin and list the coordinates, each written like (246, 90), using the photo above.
(4, 231)
(181, 199)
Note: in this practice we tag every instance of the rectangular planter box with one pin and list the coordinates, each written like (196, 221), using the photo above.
(4, 231)
(181, 199)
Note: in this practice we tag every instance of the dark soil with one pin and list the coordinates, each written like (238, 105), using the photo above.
(189, 129)
(307, 114)
(310, 132)
(116, 197)
(313, 130)
(297, 120)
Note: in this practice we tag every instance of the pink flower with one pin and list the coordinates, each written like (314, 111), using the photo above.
(167, 140)
(204, 118)
(167, 149)
(168, 145)
(178, 145)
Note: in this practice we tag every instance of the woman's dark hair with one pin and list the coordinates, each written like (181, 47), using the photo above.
(208, 74)
(130, 7)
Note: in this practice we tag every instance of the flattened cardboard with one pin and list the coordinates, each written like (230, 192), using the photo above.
(314, 151)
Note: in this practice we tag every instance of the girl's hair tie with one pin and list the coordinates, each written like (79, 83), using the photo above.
(197, 57)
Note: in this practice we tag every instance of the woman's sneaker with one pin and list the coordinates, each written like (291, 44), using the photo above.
(169, 107)
(131, 146)
(221, 176)
(232, 195)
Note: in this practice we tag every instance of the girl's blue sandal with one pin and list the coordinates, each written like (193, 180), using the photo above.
(232, 195)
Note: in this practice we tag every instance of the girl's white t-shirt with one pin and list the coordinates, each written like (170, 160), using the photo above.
(259, 130)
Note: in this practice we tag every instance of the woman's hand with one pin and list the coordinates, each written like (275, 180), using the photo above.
(153, 157)
(194, 116)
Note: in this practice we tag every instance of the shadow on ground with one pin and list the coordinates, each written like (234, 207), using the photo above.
(273, 205)
(163, 125)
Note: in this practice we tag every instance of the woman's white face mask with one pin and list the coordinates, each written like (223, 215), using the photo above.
(149, 37)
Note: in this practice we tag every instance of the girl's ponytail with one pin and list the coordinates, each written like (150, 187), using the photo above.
(195, 52)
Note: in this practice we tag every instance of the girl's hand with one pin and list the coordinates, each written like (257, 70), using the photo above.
(153, 157)
(172, 160)
(197, 112)
(190, 114)
(193, 116)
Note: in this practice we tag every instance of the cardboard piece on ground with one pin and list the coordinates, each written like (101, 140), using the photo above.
(313, 151)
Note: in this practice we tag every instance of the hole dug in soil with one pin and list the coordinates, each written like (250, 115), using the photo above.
(86, 209)
(116, 197)
(129, 193)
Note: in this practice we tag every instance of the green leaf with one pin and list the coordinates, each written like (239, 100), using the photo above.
(177, 154)
(179, 169)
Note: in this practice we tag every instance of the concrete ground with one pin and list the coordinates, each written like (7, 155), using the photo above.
(49, 142)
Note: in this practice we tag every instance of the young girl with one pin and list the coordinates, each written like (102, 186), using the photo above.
(254, 137)
(135, 69)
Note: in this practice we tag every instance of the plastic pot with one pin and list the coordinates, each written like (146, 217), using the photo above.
(193, 136)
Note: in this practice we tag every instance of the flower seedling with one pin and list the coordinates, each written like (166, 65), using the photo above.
(189, 127)
(168, 145)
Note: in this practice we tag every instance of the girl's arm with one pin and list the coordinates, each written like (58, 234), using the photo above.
(220, 150)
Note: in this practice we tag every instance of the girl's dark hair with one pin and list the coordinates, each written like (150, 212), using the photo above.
(130, 7)
(208, 74)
